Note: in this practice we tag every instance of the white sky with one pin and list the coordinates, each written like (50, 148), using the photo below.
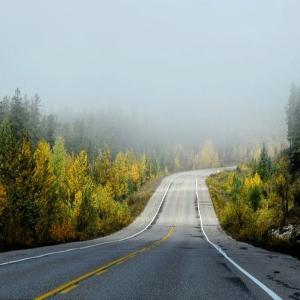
(209, 60)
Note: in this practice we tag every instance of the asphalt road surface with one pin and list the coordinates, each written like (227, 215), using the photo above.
(174, 250)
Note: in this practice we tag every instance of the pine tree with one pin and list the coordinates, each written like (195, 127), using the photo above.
(293, 122)
(295, 148)
(282, 185)
(4, 109)
(291, 114)
(23, 191)
(78, 141)
(19, 115)
(264, 167)
(48, 128)
(34, 122)
(21, 214)
(8, 154)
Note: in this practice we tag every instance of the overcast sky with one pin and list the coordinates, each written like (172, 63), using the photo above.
(185, 59)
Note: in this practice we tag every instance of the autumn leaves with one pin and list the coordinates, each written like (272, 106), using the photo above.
(48, 195)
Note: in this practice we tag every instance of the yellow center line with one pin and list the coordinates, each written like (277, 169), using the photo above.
(101, 272)
(70, 285)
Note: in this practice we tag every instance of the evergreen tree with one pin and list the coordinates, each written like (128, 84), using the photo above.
(22, 193)
(282, 185)
(21, 212)
(34, 122)
(48, 128)
(293, 122)
(291, 114)
(19, 115)
(78, 142)
(295, 148)
(264, 166)
(4, 109)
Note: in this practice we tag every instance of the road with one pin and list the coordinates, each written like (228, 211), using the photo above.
(174, 250)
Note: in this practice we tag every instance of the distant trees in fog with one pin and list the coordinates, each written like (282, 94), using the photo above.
(69, 178)
(262, 197)
(293, 120)
(26, 118)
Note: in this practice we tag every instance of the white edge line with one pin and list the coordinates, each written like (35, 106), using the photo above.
(94, 245)
(272, 294)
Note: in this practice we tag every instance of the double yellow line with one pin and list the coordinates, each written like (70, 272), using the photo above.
(68, 286)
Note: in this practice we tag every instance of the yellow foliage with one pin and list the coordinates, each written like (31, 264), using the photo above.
(134, 173)
(120, 175)
(44, 178)
(208, 156)
(76, 181)
(280, 180)
(266, 218)
(2, 198)
(70, 200)
(25, 149)
(229, 182)
(62, 232)
(243, 167)
(253, 181)
(76, 172)
(77, 203)
(113, 215)
(142, 168)
(102, 199)
(235, 215)
(2, 192)
(42, 158)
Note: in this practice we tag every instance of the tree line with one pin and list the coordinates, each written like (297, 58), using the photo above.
(60, 181)
(91, 132)
(49, 194)
(264, 195)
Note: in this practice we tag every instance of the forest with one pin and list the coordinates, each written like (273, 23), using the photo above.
(75, 177)
(260, 201)
(51, 194)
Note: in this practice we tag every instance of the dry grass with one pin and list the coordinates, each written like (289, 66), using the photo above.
(137, 201)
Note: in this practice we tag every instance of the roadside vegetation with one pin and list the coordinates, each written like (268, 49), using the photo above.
(75, 177)
(259, 202)
(50, 195)
(138, 200)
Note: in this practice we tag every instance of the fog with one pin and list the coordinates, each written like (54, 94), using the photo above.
(187, 70)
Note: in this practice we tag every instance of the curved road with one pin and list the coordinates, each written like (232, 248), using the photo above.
(174, 250)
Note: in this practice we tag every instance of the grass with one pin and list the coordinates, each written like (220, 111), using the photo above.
(138, 201)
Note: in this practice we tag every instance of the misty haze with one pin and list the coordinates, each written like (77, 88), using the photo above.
(168, 127)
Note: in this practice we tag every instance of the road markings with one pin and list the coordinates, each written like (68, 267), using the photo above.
(94, 245)
(68, 286)
(101, 272)
(272, 294)
(72, 287)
